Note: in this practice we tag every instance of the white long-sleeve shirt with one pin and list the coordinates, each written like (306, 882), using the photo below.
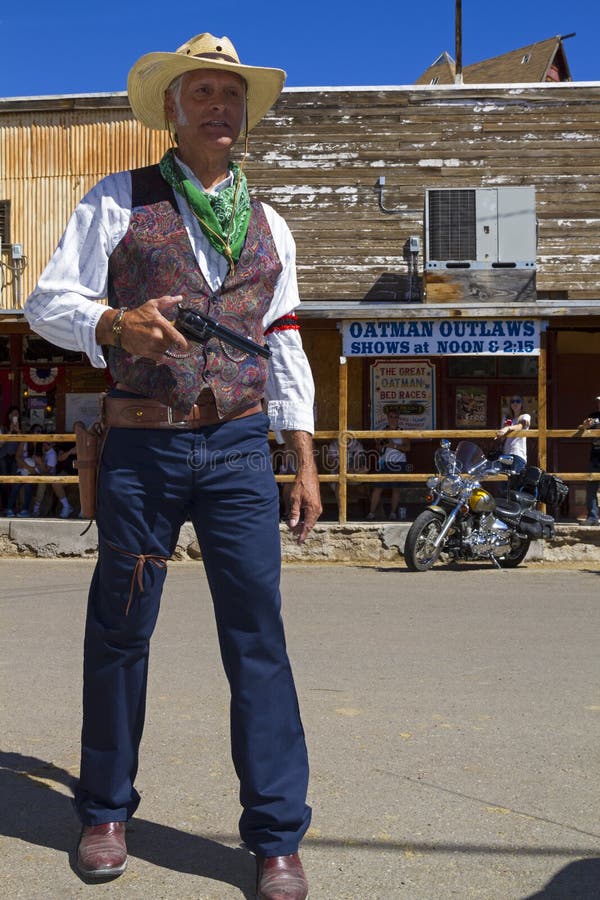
(64, 310)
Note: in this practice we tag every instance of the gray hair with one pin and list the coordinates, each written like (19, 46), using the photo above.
(174, 91)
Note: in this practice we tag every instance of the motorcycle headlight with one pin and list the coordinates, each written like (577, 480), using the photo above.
(432, 483)
(451, 485)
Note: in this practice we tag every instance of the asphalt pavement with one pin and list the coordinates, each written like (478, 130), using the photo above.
(452, 719)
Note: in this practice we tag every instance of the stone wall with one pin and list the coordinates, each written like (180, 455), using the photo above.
(358, 543)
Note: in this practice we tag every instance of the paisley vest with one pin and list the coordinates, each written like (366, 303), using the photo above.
(155, 259)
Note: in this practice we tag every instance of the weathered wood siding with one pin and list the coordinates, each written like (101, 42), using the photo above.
(333, 145)
(316, 158)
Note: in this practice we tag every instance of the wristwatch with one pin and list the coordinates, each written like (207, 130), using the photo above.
(117, 327)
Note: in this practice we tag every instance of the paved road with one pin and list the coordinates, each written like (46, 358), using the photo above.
(452, 719)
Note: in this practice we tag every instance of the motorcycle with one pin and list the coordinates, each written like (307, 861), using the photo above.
(466, 522)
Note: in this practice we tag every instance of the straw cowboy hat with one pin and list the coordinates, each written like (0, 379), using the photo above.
(152, 74)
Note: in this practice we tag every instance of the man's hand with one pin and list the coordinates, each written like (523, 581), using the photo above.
(144, 330)
(305, 496)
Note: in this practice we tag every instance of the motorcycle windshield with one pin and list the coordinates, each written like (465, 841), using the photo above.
(469, 455)
(446, 462)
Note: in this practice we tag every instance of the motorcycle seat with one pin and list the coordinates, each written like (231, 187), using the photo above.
(525, 499)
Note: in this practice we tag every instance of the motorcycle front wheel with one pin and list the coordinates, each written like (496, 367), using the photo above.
(419, 552)
(517, 553)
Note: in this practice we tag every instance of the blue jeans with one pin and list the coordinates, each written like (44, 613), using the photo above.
(519, 463)
(14, 495)
(150, 481)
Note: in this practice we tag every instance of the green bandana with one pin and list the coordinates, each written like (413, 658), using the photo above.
(224, 216)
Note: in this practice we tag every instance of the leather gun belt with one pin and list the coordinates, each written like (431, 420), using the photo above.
(143, 412)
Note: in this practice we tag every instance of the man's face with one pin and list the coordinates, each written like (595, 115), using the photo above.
(208, 109)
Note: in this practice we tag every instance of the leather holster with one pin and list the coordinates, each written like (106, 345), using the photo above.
(88, 442)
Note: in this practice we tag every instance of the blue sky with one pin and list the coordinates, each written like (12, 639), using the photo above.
(77, 47)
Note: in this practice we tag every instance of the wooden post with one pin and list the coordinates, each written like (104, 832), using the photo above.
(343, 441)
(542, 402)
(458, 66)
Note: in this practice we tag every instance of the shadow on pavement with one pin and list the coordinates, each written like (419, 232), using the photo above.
(579, 880)
(34, 812)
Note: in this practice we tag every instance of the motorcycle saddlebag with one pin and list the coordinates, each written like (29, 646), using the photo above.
(536, 524)
(552, 490)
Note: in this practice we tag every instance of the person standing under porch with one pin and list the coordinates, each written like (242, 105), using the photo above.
(592, 420)
(392, 460)
(515, 442)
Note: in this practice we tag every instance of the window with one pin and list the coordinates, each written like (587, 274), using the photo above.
(489, 367)
(5, 349)
(526, 58)
(517, 366)
(37, 350)
(4, 222)
(434, 80)
(471, 367)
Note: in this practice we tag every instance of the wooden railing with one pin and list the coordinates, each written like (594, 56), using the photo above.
(38, 439)
(343, 478)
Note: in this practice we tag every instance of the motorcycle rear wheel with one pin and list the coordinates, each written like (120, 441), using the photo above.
(516, 555)
(419, 553)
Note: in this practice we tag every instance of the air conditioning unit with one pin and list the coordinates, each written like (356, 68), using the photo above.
(480, 228)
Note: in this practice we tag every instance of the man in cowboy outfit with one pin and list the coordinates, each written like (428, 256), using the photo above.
(187, 438)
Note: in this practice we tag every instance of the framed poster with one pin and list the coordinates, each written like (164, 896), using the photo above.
(470, 407)
(36, 407)
(407, 385)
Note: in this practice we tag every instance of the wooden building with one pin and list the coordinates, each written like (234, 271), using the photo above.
(537, 62)
(357, 173)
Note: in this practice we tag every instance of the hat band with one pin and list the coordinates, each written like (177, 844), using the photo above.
(224, 56)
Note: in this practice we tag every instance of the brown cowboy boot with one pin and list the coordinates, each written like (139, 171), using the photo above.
(102, 852)
(280, 878)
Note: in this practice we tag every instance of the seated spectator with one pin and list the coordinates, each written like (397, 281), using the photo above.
(356, 460)
(392, 460)
(47, 465)
(67, 465)
(8, 450)
(287, 467)
(26, 465)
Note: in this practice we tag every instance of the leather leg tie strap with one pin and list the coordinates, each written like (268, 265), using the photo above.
(138, 571)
